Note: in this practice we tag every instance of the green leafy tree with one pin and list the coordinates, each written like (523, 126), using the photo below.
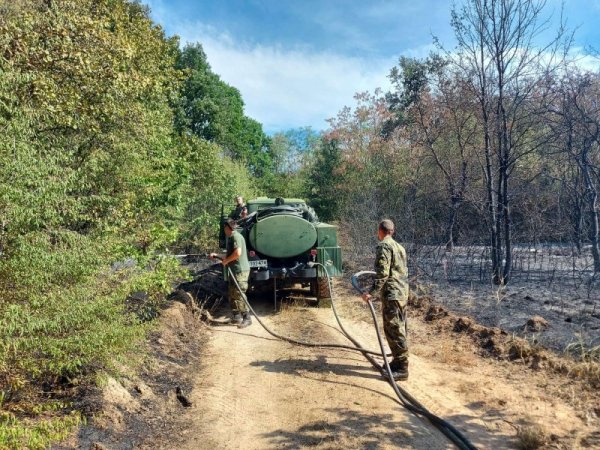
(212, 109)
(86, 164)
(324, 179)
(211, 181)
(291, 152)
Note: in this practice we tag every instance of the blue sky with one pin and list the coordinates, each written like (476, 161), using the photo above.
(298, 62)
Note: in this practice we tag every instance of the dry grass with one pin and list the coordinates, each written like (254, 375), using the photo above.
(289, 307)
(589, 365)
(469, 389)
(346, 436)
(585, 371)
(453, 353)
(337, 441)
(521, 349)
(531, 437)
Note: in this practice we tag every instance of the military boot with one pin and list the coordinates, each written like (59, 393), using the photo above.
(246, 321)
(399, 370)
(236, 319)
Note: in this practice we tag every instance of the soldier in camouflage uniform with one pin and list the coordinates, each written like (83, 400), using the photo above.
(241, 210)
(391, 284)
(237, 260)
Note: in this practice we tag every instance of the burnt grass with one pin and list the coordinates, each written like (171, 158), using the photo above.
(552, 298)
(547, 318)
(497, 343)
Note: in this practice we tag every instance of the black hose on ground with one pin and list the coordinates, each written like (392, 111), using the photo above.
(416, 407)
(290, 340)
(405, 399)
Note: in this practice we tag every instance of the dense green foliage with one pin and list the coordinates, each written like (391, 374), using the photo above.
(292, 152)
(97, 178)
(213, 110)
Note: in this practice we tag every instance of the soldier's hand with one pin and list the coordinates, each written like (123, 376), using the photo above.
(213, 256)
(366, 297)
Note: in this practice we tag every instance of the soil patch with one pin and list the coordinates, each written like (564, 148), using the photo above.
(142, 410)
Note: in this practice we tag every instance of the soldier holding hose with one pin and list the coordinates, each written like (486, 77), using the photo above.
(391, 284)
(237, 260)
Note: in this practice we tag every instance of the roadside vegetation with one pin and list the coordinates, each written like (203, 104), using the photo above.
(103, 169)
(119, 145)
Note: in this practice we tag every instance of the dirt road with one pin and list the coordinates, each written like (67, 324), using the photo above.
(256, 392)
(251, 391)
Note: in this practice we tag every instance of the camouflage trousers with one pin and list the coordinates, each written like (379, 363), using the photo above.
(236, 298)
(395, 327)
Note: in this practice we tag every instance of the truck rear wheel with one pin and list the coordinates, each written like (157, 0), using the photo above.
(320, 288)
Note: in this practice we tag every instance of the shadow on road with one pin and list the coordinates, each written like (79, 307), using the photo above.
(299, 366)
(345, 428)
(353, 429)
(361, 430)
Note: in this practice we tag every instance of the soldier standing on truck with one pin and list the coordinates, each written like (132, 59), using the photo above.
(240, 210)
(391, 285)
(236, 259)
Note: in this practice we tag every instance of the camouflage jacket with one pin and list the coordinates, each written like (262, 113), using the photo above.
(391, 279)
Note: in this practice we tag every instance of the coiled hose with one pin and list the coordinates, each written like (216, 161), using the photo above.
(405, 399)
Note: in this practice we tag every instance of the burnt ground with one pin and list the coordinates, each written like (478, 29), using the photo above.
(552, 283)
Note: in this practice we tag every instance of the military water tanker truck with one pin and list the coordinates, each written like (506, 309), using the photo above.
(284, 239)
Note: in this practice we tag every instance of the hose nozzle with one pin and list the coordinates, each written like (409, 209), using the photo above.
(354, 280)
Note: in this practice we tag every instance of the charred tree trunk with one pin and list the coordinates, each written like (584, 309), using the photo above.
(505, 165)
(578, 200)
(507, 270)
(451, 224)
(591, 196)
(491, 205)
(496, 41)
(578, 225)
(497, 275)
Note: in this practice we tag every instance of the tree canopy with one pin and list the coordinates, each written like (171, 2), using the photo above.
(213, 110)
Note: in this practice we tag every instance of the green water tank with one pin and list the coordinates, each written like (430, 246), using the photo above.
(282, 236)
(326, 235)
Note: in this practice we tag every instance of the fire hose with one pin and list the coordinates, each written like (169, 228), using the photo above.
(404, 397)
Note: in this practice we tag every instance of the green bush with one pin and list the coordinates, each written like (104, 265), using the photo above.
(212, 180)
(35, 435)
(96, 184)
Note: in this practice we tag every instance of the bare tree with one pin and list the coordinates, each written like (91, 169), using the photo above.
(575, 120)
(498, 52)
(434, 104)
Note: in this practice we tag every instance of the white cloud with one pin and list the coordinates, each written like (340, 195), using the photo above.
(292, 88)
(385, 10)
(584, 60)
(287, 88)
